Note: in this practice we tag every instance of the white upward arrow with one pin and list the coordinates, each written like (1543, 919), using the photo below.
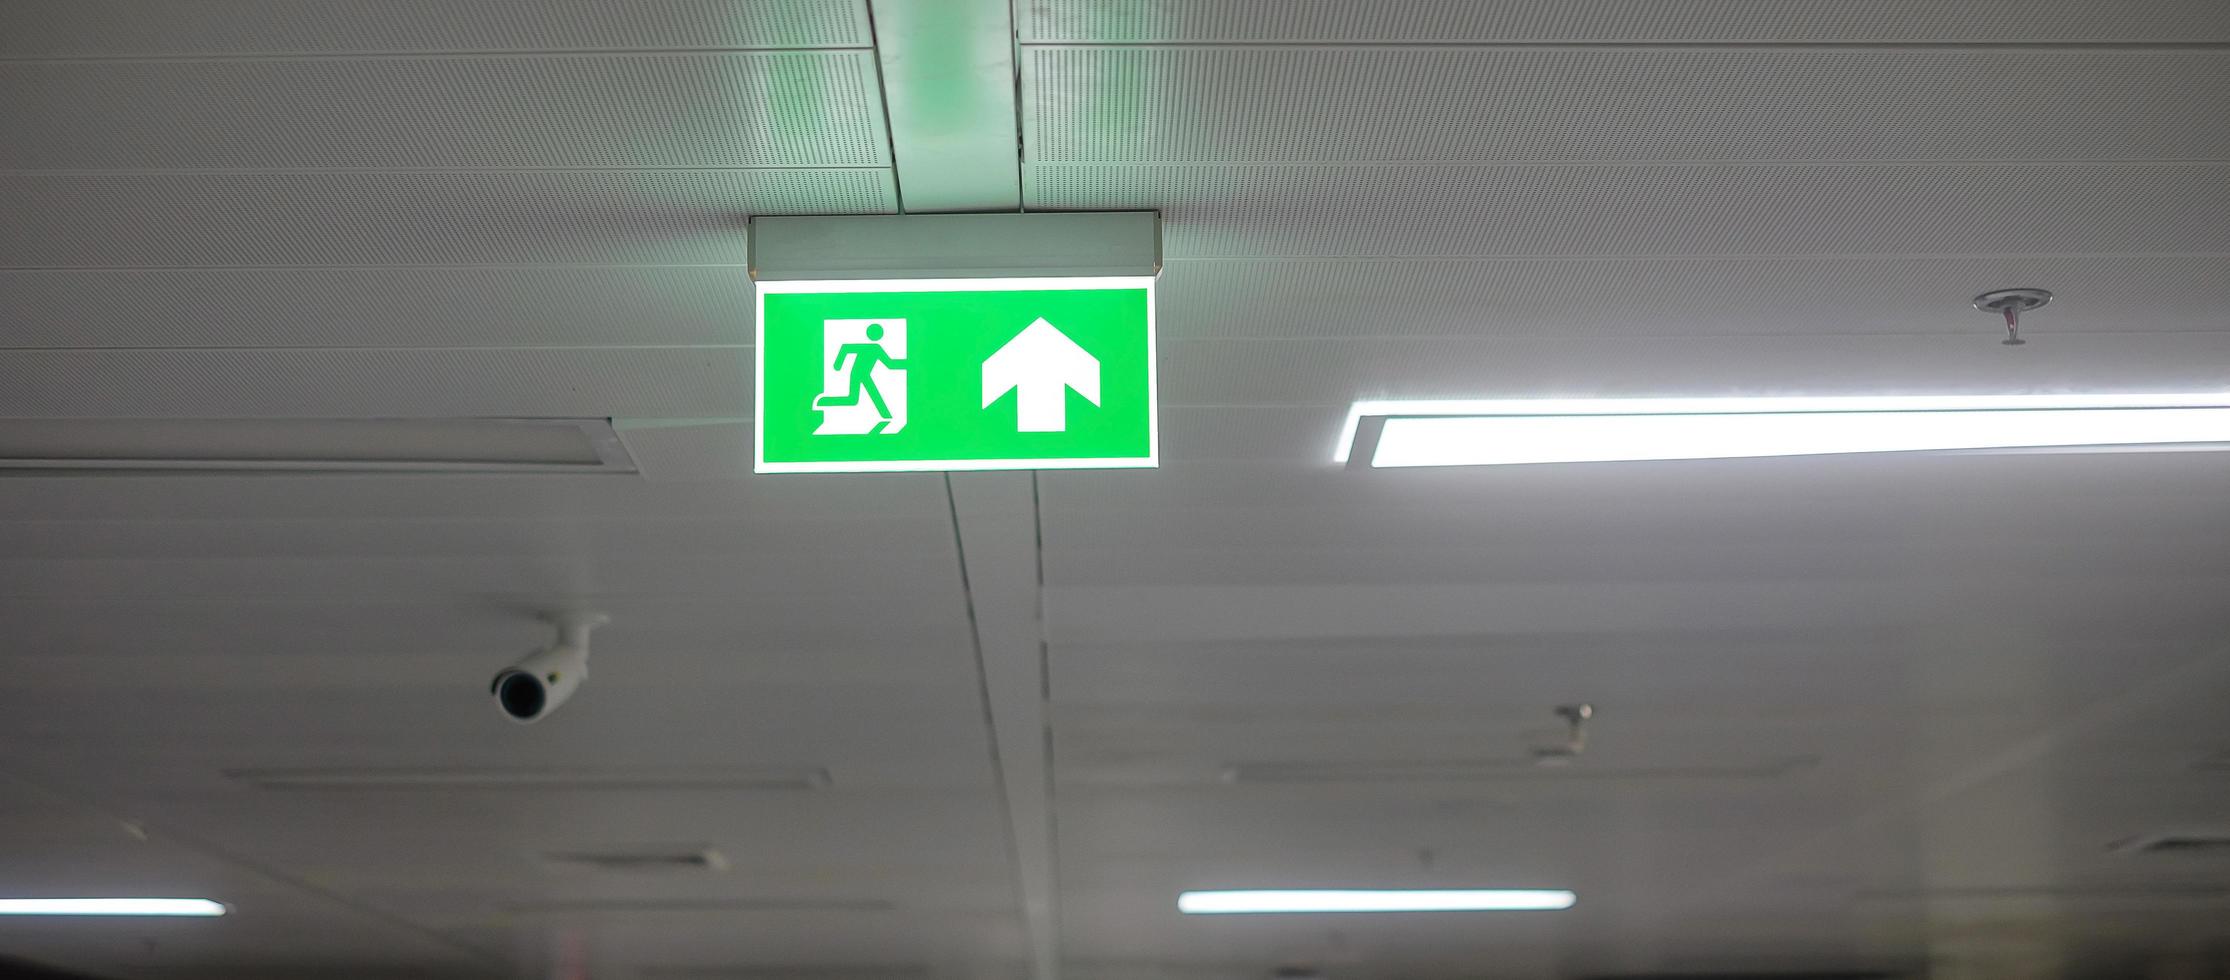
(1039, 365)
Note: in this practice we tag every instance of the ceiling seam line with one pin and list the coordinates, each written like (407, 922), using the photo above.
(990, 722)
(1045, 713)
(897, 180)
(1021, 149)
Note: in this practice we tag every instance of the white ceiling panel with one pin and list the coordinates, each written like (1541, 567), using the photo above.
(1853, 712)
(289, 966)
(1601, 211)
(1569, 555)
(1962, 486)
(1820, 517)
(691, 451)
(577, 501)
(1477, 697)
(1537, 836)
(156, 28)
(1223, 546)
(1181, 613)
(1335, 372)
(1150, 723)
(888, 738)
(200, 220)
(728, 943)
(1576, 299)
(67, 848)
(872, 848)
(436, 713)
(281, 934)
(372, 577)
(376, 640)
(775, 109)
(1541, 537)
(1449, 104)
(877, 737)
(419, 307)
(1515, 947)
(1193, 434)
(581, 382)
(718, 944)
(795, 537)
(1683, 715)
(1619, 21)
(1821, 520)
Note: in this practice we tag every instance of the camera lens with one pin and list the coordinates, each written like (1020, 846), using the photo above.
(521, 694)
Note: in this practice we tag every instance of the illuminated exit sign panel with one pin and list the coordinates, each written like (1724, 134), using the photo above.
(956, 374)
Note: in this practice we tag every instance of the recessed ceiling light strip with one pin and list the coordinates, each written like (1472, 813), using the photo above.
(1502, 432)
(1304, 901)
(112, 906)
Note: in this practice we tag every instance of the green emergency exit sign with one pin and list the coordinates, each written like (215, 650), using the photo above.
(863, 376)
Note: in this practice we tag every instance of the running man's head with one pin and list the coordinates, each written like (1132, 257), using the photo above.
(875, 332)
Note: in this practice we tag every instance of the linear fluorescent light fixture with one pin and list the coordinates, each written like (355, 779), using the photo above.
(549, 445)
(111, 906)
(1568, 430)
(1318, 901)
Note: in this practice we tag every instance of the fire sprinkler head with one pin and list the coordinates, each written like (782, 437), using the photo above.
(2010, 304)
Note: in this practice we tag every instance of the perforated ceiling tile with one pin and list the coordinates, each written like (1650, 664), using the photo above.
(373, 383)
(769, 109)
(1209, 298)
(1444, 21)
(1305, 105)
(1252, 211)
(320, 219)
(473, 307)
(130, 28)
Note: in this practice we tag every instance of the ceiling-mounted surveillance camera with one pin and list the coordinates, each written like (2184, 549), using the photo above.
(534, 687)
(1561, 752)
